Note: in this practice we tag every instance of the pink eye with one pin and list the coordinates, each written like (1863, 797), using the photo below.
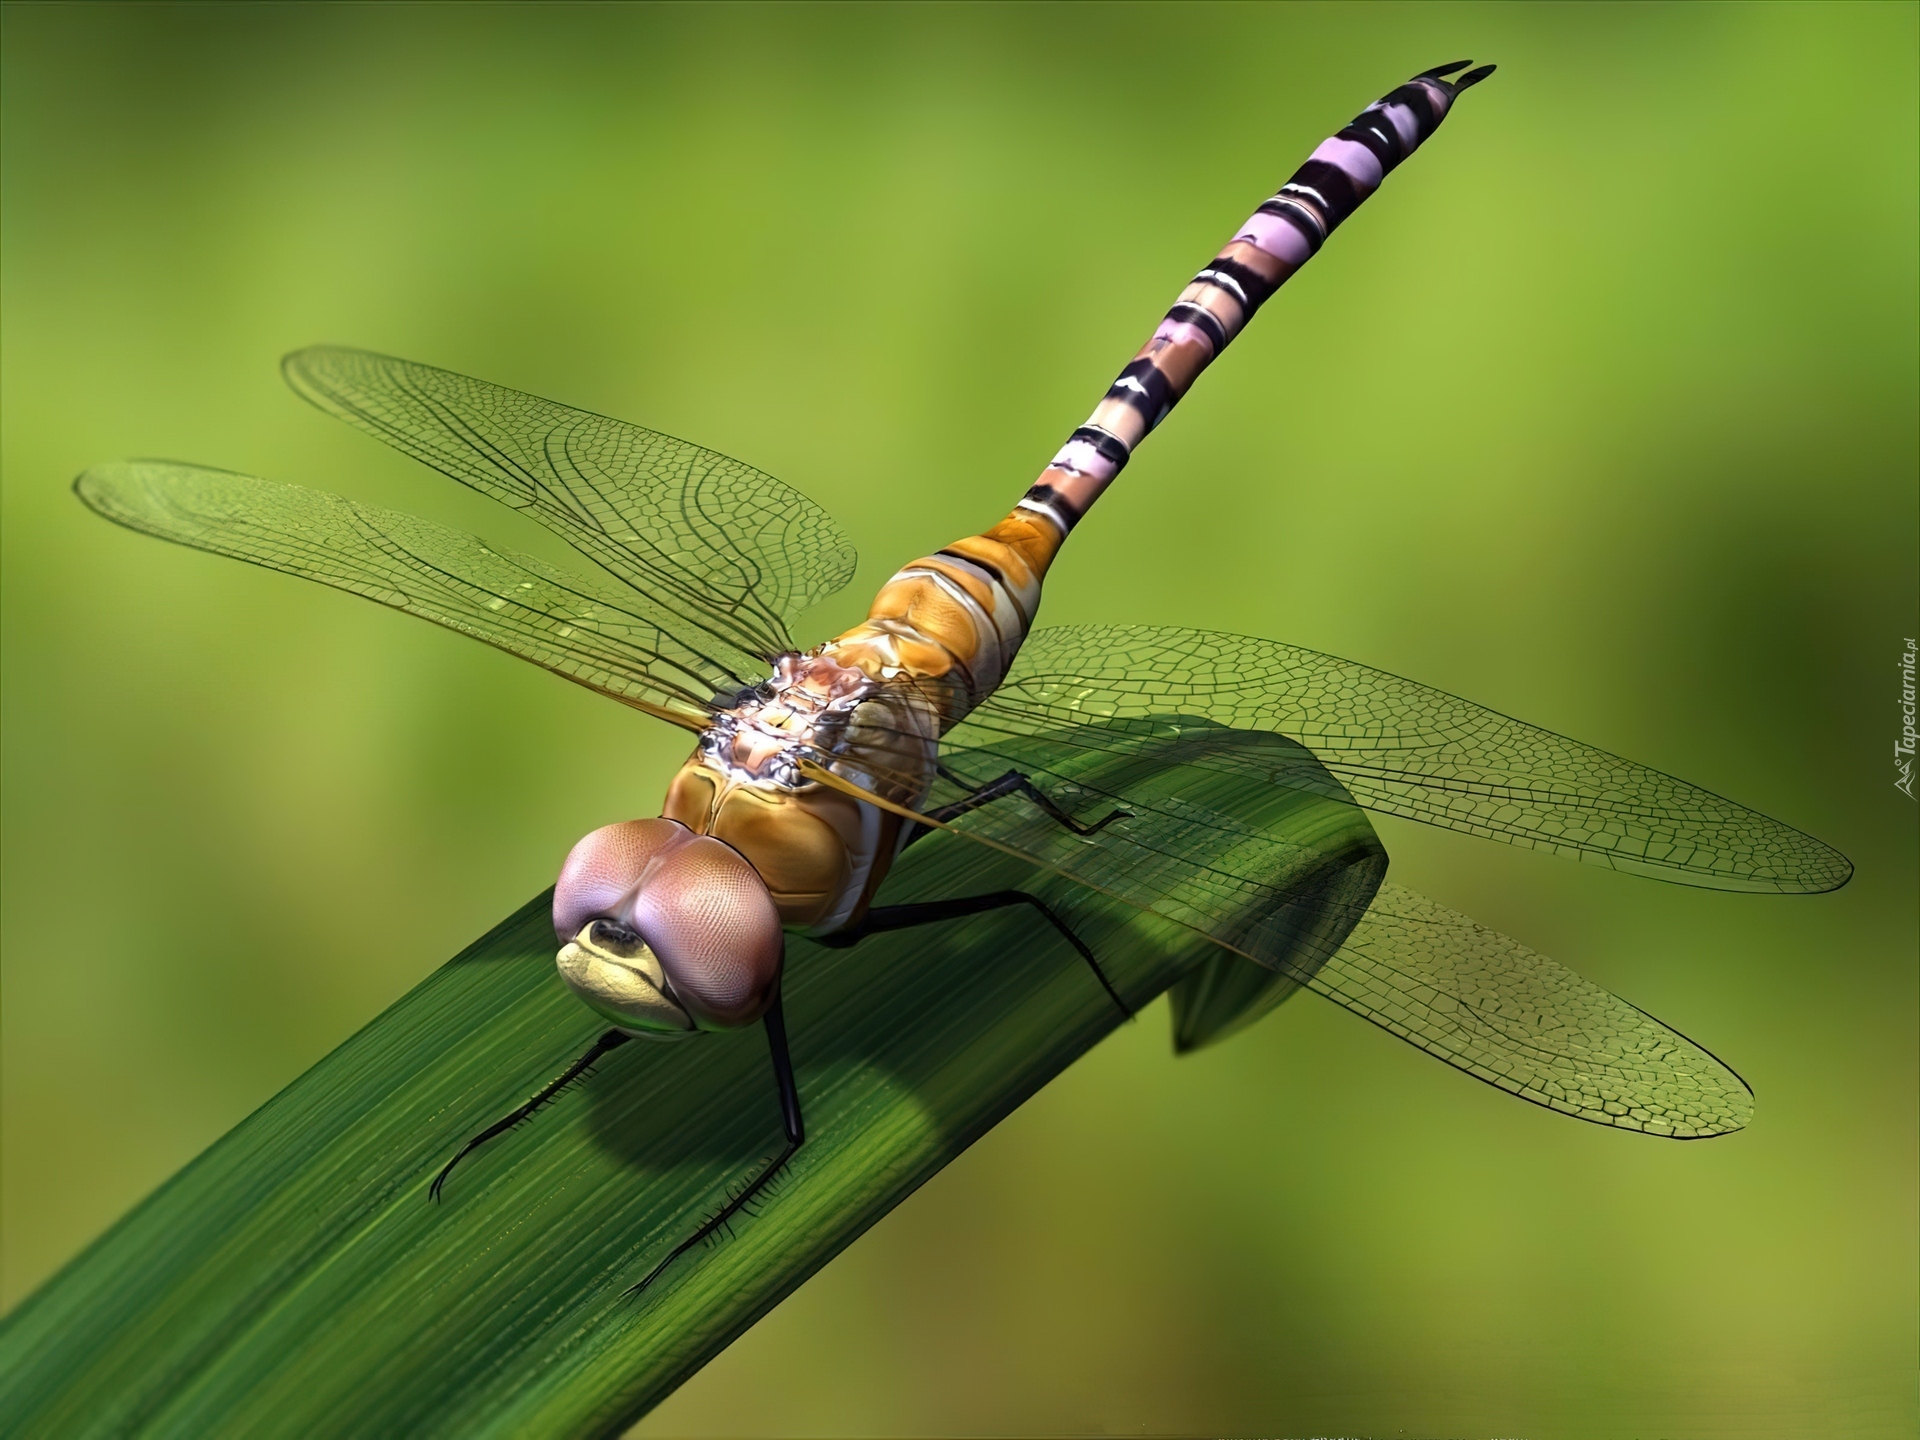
(708, 917)
(603, 872)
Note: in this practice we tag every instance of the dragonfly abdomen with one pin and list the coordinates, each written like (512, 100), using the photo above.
(953, 622)
(1277, 239)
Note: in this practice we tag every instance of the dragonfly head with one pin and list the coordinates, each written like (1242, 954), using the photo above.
(664, 932)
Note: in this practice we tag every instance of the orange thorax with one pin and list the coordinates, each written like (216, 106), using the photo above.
(870, 705)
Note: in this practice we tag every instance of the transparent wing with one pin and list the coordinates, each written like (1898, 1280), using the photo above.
(1246, 839)
(1402, 749)
(593, 632)
(1510, 1016)
(731, 552)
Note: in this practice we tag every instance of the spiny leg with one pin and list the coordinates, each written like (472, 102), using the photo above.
(1013, 783)
(796, 1135)
(612, 1040)
(929, 912)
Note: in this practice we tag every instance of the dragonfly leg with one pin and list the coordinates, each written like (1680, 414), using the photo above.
(790, 1119)
(612, 1040)
(930, 912)
(1013, 783)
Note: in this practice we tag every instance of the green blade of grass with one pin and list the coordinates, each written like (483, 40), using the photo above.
(295, 1280)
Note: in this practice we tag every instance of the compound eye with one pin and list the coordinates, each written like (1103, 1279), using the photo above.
(603, 872)
(709, 919)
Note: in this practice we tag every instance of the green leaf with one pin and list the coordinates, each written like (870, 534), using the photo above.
(295, 1280)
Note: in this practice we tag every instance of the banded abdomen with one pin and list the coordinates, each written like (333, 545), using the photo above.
(1278, 238)
(960, 616)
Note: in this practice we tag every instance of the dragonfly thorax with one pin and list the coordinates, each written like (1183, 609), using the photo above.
(754, 781)
(800, 712)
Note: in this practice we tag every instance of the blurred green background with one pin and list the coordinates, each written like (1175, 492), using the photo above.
(1603, 413)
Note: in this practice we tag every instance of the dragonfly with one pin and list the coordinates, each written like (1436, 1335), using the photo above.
(1162, 768)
